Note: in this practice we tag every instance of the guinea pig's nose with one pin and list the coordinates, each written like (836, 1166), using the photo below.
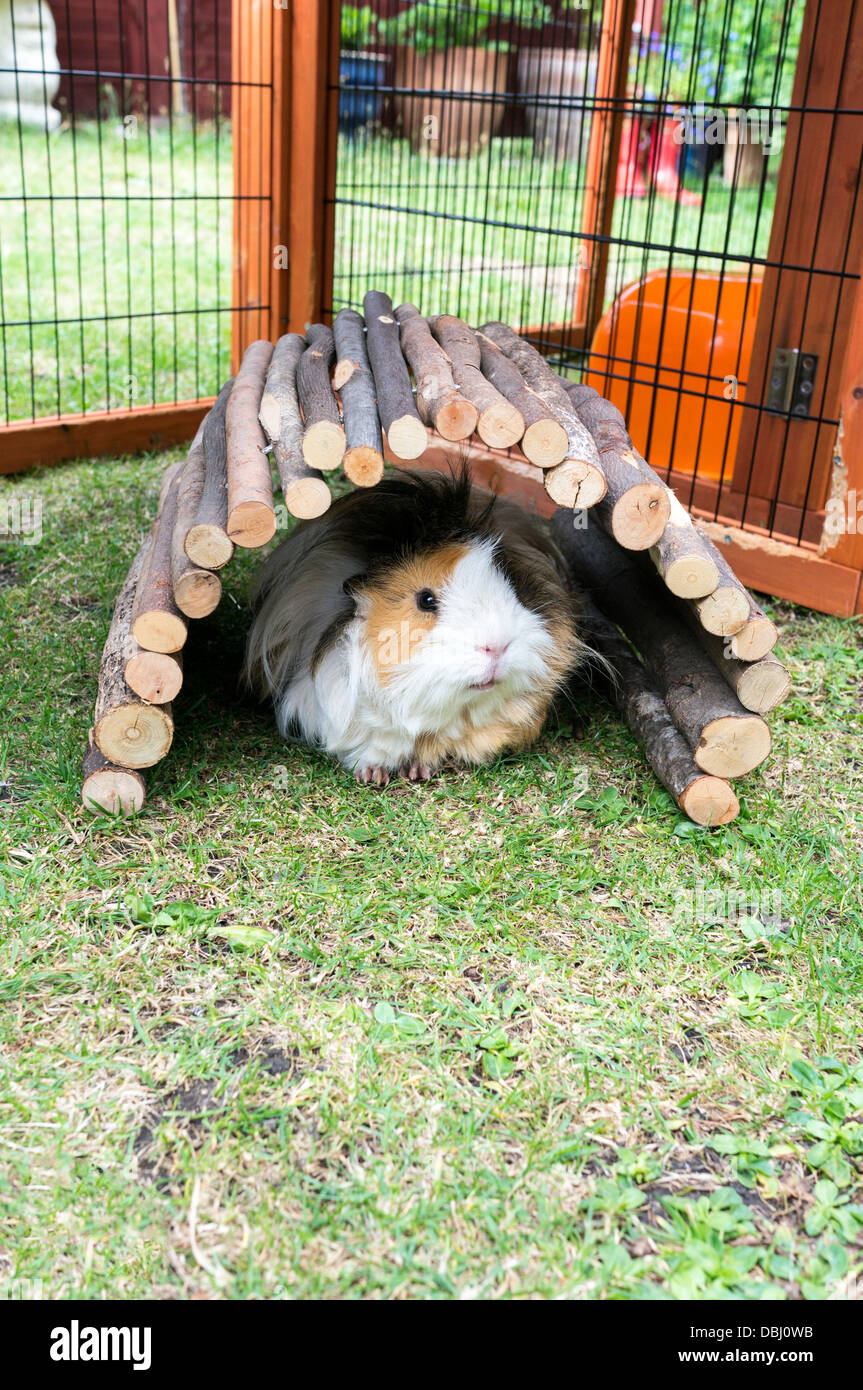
(495, 652)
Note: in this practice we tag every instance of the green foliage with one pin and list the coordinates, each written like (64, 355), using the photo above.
(359, 27)
(738, 52)
(428, 27)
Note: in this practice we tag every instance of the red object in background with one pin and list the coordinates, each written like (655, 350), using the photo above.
(99, 39)
(672, 352)
(630, 181)
(664, 162)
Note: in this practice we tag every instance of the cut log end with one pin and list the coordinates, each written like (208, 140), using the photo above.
(754, 639)
(732, 745)
(323, 445)
(250, 524)
(639, 517)
(364, 466)
(709, 801)
(160, 632)
(156, 677)
(209, 546)
(197, 593)
(457, 419)
(545, 443)
(692, 576)
(407, 437)
(306, 498)
(113, 789)
(500, 425)
(575, 484)
(133, 735)
(724, 611)
(762, 685)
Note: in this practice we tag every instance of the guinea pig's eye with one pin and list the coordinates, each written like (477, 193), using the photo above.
(426, 601)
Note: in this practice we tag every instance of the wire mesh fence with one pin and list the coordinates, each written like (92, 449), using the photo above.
(661, 194)
(116, 197)
(470, 179)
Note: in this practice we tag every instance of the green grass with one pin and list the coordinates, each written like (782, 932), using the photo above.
(478, 257)
(148, 250)
(280, 1035)
(106, 302)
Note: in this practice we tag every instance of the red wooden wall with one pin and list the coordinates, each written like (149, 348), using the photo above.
(98, 40)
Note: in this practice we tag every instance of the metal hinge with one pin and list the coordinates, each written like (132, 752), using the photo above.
(792, 381)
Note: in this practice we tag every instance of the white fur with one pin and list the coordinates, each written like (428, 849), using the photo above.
(345, 709)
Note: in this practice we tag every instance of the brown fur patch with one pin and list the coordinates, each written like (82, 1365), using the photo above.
(395, 626)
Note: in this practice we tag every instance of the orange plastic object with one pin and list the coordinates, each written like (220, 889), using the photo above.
(704, 346)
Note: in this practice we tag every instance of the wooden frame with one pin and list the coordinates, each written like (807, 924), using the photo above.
(817, 223)
(311, 138)
(603, 153)
(27, 443)
(285, 162)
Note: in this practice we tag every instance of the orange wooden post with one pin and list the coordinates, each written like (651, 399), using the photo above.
(817, 223)
(311, 141)
(252, 25)
(842, 540)
(603, 153)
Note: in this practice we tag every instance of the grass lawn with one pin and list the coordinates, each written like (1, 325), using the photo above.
(129, 293)
(498, 1036)
(496, 235)
(115, 253)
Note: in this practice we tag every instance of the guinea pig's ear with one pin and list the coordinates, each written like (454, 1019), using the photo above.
(352, 586)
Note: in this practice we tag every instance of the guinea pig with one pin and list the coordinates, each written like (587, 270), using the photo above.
(418, 622)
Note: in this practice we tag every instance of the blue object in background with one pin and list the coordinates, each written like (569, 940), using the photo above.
(358, 106)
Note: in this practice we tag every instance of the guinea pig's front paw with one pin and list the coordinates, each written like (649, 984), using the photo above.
(416, 772)
(373, 776)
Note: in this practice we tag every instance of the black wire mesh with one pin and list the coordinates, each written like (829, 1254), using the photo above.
(467, 182)
(464, 184)
(116, 204)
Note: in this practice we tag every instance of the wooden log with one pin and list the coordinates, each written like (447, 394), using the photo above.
(544, 440)
(323, 436)
(439, 401)
(541, 379)
(156, 622)
(694, 568)
(731, 611)
(305, 492)
(207, 542)
(106, 787)
(723, 612)
(727, 740)
(500, 424)
(156, 677)
(707, 800)
(636, 508)
(759, 685)
(197, 591)
(574, 484)
(364, 457)
(683, 556)
(251, 517)
(128, 732)
(756, 638)
(405, 431)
